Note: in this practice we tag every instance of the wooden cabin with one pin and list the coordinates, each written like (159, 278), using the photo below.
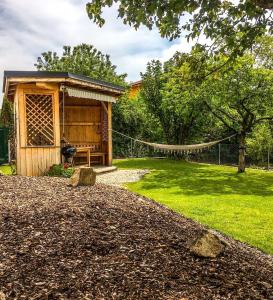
(134, 89)
(52, 109)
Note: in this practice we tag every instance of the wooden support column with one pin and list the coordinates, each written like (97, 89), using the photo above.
(109, 150)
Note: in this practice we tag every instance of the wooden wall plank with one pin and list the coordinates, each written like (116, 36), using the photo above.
(82, 124)
(35, 159)
(109, 150)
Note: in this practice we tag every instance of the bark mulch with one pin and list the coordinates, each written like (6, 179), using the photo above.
(102, 242)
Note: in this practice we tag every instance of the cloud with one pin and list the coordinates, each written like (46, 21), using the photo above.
(30, 27)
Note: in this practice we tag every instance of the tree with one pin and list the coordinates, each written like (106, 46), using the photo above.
(152, 84)
(131, 117)
(262, 51)
(260, 142)
(6, 116)
(82, 59)
(241, 97)
(170, 91)
(232, 24)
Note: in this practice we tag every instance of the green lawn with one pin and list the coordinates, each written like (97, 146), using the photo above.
(239, 205)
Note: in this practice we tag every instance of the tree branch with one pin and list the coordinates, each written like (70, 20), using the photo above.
(265, 4)
(263, 119)
(220, 118)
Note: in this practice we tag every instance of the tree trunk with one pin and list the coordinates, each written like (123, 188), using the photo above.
(242, 153)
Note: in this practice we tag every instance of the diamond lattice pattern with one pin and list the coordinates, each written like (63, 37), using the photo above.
(39, 119)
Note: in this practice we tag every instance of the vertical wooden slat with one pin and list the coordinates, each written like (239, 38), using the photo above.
(109, 154)
(22, 117)
(35, 159)
(29, 158)
(16, 112)
(56, 112)
(23, 159)
(43, 160)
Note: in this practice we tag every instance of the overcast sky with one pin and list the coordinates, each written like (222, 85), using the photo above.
(30, 27)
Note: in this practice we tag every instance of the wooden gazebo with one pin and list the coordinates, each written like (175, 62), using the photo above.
(53, 108)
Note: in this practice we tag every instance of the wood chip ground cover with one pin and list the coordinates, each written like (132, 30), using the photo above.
(103, 242)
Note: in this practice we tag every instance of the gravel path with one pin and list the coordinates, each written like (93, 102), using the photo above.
(117, 178)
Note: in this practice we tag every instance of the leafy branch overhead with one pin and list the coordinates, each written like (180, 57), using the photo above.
(232, 25)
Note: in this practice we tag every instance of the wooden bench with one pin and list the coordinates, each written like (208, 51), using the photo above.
(91, 150)
(99, 154)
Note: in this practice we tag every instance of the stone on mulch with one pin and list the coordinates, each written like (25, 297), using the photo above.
(83, 176)
(208, 245)
(2, 296)
(103, 242)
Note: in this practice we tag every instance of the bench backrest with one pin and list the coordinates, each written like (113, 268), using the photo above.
(94, 147)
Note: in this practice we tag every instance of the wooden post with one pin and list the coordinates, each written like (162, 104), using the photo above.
(109, 160)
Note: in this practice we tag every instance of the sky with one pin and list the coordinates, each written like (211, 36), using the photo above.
(30, 27)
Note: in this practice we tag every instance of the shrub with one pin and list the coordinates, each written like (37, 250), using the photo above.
(61, 170)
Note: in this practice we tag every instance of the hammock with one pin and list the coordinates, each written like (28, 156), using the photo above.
(177, 148)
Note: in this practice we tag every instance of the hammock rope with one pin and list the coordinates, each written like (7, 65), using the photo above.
(165, 148)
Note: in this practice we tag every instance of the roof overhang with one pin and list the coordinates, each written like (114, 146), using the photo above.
(85, 94)
(13, 78)
(136, 83)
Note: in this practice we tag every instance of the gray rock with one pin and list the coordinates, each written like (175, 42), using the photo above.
(83, 176)
(208, 245)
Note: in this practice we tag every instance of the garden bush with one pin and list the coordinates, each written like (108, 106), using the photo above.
(61, 170)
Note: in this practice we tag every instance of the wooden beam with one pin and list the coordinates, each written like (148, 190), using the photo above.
(81, 124)
(104, 107)
(65, 80)
(47, 86)
(81, 106)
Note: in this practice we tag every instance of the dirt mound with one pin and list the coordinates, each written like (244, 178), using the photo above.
(102, 242)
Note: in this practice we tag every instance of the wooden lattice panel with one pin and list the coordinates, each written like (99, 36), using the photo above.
(39, 120)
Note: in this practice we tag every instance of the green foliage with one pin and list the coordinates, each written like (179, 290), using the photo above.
(6, 169)
(198, 97)
(83, 59)
(241, 96)
(239, 205)
(130, 117)
(231, 25)
(260, 142)
(169, 92)
(152, 84)
(263, 53)
(185, 112)
(6, 115)
(61, 170)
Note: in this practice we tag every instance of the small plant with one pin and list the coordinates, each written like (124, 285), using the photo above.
(61, 170)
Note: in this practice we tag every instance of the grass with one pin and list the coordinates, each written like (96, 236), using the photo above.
(6, 169)
(239, 205)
